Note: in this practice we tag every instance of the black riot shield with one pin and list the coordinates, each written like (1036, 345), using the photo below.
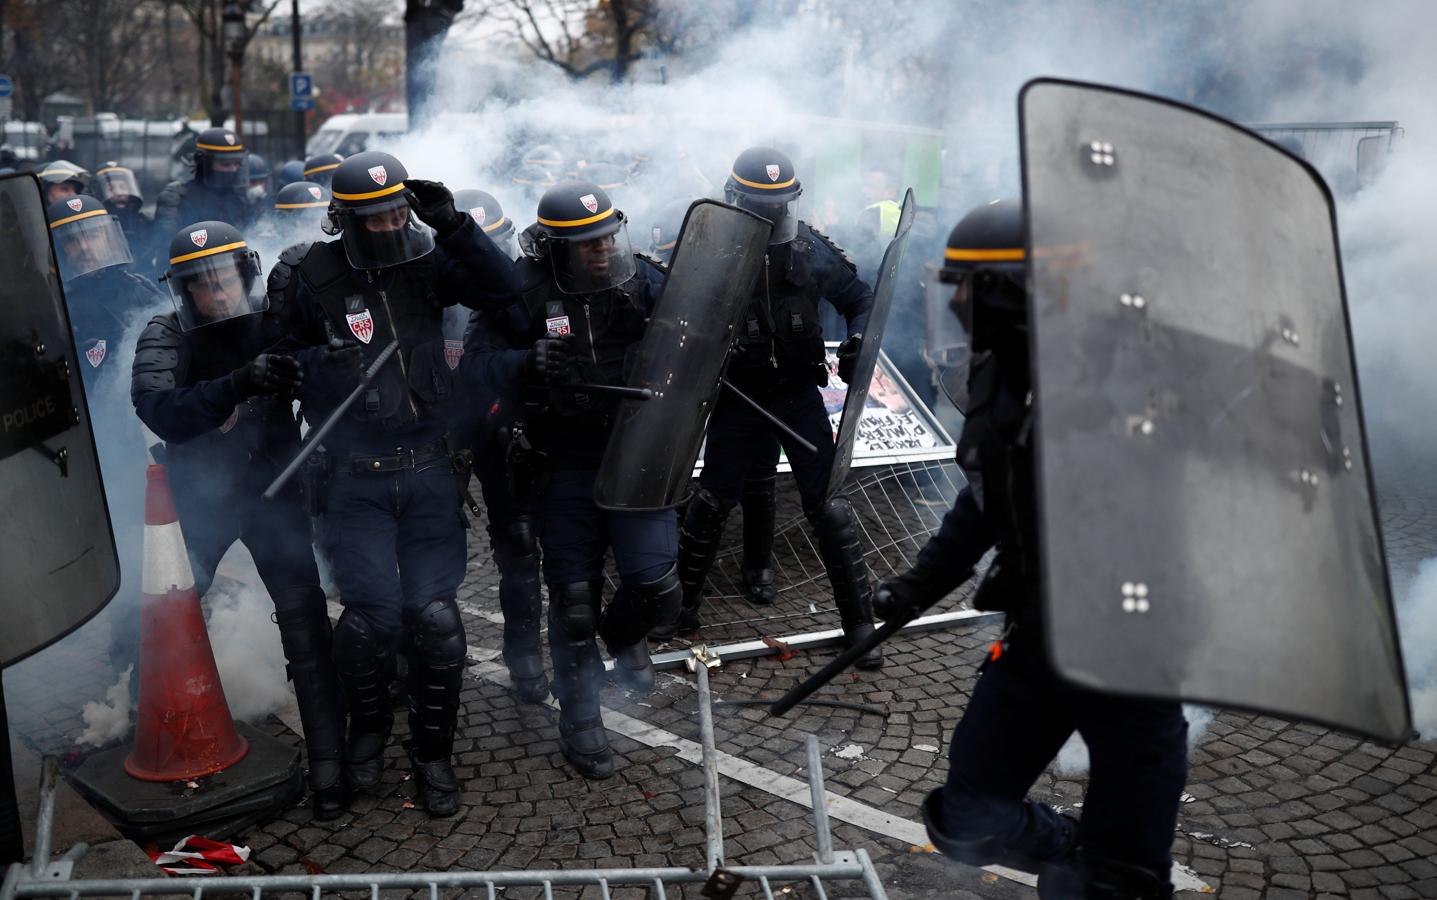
(651, 452)
(56, 549)
(1207, 514)
(857, 396)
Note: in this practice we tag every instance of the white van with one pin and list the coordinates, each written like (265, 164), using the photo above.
(350, 133)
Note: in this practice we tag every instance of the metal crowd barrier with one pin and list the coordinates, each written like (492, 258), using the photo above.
(47, 877)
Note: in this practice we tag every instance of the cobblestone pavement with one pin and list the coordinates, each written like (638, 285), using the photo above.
(1273, 809)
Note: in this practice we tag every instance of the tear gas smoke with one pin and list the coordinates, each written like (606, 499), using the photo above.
(1417, 617)
(108, 720)
(245, 639)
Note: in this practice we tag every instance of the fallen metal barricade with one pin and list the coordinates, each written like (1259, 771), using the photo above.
(46, 877)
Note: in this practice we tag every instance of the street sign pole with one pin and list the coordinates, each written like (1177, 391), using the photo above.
(300, 113)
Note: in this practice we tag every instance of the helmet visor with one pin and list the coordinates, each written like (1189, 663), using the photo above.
(116, 186)
(595, 264)
(89, 244)
(946, 345)
(783, 214)
(216, 288)
(224, 170)
(385, 234)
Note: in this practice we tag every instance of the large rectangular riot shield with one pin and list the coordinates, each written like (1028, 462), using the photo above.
(651, 452)
(853, 402)
(1208, 524)
(57, 553)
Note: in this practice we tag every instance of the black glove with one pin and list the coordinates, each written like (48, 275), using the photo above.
(848, 358)
(344, 359)
(905, 597)
(268, 373)
(551, 358)
(434, 204)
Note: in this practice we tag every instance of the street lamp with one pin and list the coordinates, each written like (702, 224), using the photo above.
(233, 33)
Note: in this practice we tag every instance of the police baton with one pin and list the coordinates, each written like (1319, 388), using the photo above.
(613, 390)
(313, 439)
(773, 420)
(835, 666)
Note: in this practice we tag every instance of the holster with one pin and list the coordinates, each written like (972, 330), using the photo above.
(525, 466)
(314, 483)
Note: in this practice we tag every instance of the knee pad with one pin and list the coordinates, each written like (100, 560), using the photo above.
(835, 517)
(438, 633)
(663, 597)
(705, 516)
(575, 608)
(357, 637)
(304, 629)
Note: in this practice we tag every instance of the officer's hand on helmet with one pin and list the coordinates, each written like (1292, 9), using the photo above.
(905, 597)
(343, 358)
(848, 357)
(434, 204)
(550, 358)
(268, 373)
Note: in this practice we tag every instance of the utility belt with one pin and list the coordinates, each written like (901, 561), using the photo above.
(315, 474)
(364, 464)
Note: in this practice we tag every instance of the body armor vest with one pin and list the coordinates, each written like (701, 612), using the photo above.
(399, 304)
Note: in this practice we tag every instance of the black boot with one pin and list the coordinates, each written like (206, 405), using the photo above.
(699, 537)
(578, 676)
(364, 659)
(520, 599)
(759, 509)
(627, 622)
(305, 635)
(837, 533)
(1046, 845)
(436, 676)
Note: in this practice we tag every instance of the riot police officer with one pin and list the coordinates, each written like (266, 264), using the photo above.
(256, 178)
(116, 187)
(586, 300)
(394, 527)
(62, 179)
(290, 172)
(1021, 713)
(223, 408)
(779, 361)
(100, 290)
(217, 190)
(484, 208)
(296, 216)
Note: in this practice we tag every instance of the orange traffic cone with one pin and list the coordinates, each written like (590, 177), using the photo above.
(183, 729)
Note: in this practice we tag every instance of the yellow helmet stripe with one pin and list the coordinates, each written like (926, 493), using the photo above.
(496, 225)
(958, 254)
(323, 168)
(313, 205)
(760, 185)
(112, 169)
(84, 215)
(211, 251)
(575, 223)
(223, 148)
(668, 246)
(62, 170)
(382, 192)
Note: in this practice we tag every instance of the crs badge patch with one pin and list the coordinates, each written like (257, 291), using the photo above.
(591, 203)
(773, 172)
(362, 324)
(558, 325)
(453, 352)
(75, 204)
(96, 354)
(378, 174)
(199, 238)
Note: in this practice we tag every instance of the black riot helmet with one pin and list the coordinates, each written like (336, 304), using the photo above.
(290, 172)
(220, 159)
(213, 275)
(763, 182)
(986, 262)
(87, 236)
(486, 212)
(117, 187)
(584, 236)
(320, 169)
(302, 204)
(62, 179)
(371, 211)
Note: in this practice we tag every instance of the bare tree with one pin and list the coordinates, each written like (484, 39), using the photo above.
(117, 47)
(582, 37)
(365, 62)
(211, 48)
(37, 30)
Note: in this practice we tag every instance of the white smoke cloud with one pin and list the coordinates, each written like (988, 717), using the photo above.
(245, 639)
(107, 720)
(1417, 616)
